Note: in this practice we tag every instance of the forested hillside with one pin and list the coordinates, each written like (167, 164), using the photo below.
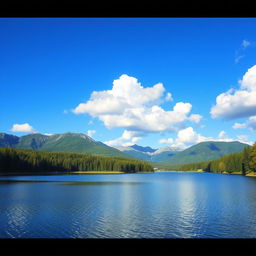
(244, 162)
(26, 160)
(66, 142)
(206, 151)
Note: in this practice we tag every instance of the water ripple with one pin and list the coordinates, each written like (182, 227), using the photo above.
(129, 206)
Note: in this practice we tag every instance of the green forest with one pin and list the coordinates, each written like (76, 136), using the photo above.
(26, 160)
(244, 162)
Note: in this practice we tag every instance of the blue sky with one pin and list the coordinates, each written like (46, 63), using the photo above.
(48, 66)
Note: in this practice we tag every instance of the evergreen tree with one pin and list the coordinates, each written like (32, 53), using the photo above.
(246, 159)
(12, 160)
(252, 156)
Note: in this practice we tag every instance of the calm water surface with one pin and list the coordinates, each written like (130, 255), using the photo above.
(154, 205)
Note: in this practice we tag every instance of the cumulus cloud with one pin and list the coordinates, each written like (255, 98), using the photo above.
(250, 124)
(126, 92)
(150, 119)
(23, 128)
(128, 138)
(166, 141)
(133, 107)
(188, 137)
(185, 137)
(90, 133)
(239, 126)
(237, 103)
(195, 118)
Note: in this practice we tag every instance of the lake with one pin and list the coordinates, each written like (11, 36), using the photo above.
(140, 205)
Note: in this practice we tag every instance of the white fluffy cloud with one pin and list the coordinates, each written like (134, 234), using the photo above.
(250, 123)
(167, 141)
(239, 125)
(188, 137)
(23, 128)
(150, 119)
(133, 107)
(128, 138)
(185, 137)
(126, 92)
(238, 103)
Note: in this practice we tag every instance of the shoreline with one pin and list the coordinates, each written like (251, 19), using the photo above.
(97, 172)
(115, 172)
(251, 175)
(65, 173)
(180, 171)
(201, 171)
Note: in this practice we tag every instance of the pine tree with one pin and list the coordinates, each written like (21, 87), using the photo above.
(252, 155)
(31, 160)
(246, 158)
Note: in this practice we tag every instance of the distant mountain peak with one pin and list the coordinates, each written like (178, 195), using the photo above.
(81, 135)
(143, 149)
(160, 150)
(122, 148)
(65, 142)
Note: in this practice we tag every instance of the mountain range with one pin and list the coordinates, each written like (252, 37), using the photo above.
(81, 143)
(149, 154)
(208, 150)
(66, 142)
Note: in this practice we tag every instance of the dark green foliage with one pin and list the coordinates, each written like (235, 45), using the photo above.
(194, 166)
(252, 157)
(246, 156)
(166, 166)
(25, 160)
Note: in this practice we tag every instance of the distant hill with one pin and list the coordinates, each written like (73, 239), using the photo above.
(143, 153)
(143, 149)
(81, 143)
(135, 153)
(208, 150)
(164, 154)
(67, 142)
(7, 140)
(32, 141)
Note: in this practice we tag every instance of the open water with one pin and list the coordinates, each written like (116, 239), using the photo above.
(153, 205)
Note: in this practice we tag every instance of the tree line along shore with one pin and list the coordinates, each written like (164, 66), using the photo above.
(32, 161)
